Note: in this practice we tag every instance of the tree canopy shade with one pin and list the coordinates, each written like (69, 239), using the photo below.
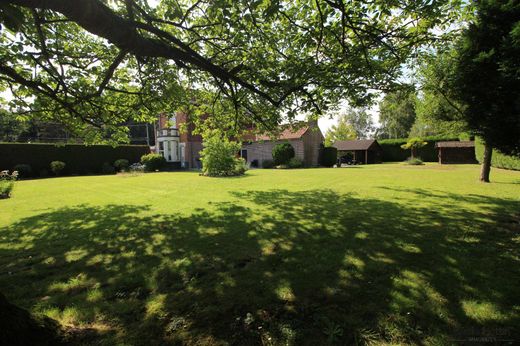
(100, 62)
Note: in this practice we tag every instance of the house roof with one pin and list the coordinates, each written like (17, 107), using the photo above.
(359, 144)
(287, 133)
(455, 144)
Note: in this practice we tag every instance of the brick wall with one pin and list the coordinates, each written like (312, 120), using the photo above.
(263, 150)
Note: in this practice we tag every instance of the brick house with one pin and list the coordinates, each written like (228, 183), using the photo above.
(306, 141)
(182, 149)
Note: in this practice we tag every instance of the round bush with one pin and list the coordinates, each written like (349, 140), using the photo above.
(57, 167)
(282, 153)
(121, 164)
(295, 163)
(153, 162)
(329, 156)
(24, 170)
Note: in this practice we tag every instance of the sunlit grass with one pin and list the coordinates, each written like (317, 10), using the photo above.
(381, 254)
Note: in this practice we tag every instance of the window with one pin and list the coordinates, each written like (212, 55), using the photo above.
(243, 154)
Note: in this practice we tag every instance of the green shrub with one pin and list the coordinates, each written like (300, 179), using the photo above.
(329, 156)
(414, 161)
(241, 166)
(7, 183)
(295, 163)
(24, 170)
(498, 159)
(80, 159)
(107, 168)
(153, 162)
(6, 187)
(282, 153)
(267, 163)
(57, 167)
(219, 155)
(121, 165)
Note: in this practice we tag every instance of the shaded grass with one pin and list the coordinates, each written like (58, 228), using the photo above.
(381, 254)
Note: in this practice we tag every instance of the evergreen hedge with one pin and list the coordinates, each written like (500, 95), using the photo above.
(498, 159)
(392, 151)
(79, 159)
(328, 156)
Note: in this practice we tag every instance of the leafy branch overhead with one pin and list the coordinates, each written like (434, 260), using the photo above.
(104, 61)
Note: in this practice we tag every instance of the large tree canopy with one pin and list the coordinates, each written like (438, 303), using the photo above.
(486, 78)
(100, 62)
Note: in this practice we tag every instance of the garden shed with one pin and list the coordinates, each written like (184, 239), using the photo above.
(456, 152)
(361, 150)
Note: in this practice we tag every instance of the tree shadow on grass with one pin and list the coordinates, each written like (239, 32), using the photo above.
(275, 267)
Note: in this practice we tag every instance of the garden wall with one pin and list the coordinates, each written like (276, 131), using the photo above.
(392, 151)
(498, 159)
(79, 159)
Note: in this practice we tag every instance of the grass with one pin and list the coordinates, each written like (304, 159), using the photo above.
(380, 254)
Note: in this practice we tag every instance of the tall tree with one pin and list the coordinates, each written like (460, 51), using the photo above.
(438, 110)
(397, 113)
(342, 131)
(99, 62)
(487, 78)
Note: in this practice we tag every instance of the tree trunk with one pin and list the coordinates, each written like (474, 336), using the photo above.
(486, 164)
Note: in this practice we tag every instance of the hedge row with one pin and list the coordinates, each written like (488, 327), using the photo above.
(392, 151)
(498, 159)
(79, 159)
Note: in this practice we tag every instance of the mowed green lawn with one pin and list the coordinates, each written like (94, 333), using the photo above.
(380, 254)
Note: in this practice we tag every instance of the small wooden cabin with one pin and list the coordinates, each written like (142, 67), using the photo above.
(363, 150)
(453, 152)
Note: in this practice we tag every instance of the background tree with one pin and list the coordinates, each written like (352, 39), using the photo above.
(94, 64)
(438, 110)
(397, 113)
(342, 131)
(487, 79)
(355, 123)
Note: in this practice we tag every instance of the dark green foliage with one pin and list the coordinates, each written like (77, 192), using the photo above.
(80, 159)
(121, 164)
(498, 159)
(267, 163)
(295, 163)
(397, 113)
(107, 168)
(329, 156)
(57, 167)
(487, 76)
(153, 162)
(392, 151)
(24, 170)
(282, 153)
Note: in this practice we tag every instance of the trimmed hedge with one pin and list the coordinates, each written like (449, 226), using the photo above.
(392, 151)
(498, 159)
(79, 159)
